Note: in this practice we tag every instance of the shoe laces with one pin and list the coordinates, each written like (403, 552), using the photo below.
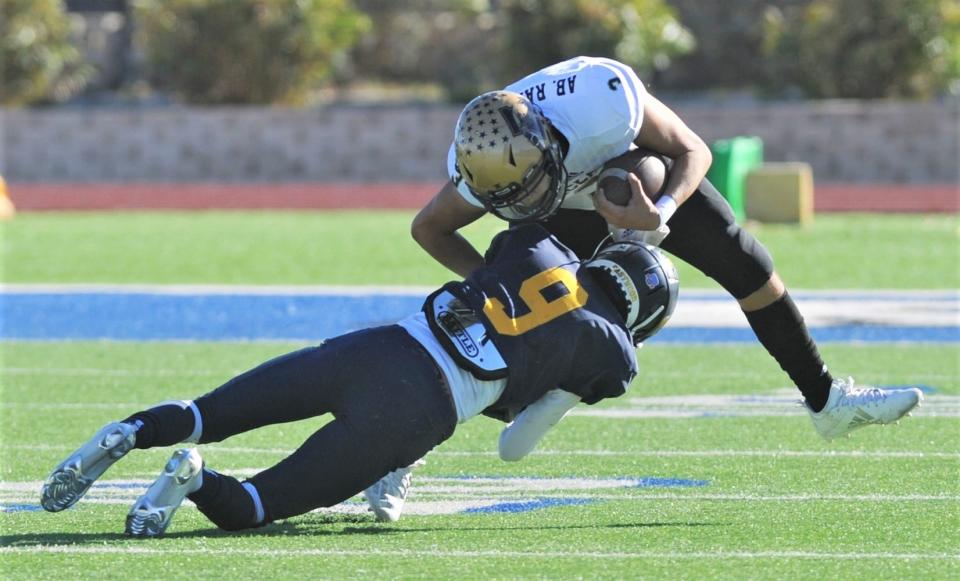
(405, 484)
(865, 395)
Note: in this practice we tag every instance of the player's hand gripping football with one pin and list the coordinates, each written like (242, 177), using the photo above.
(638, 220)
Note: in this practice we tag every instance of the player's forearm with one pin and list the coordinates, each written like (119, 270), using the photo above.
(520, 437)
(664, 132)
(436, 228)
(451, 250)
(687, 173)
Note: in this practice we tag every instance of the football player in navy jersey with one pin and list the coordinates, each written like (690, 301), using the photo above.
(523, 339)
(533, 151)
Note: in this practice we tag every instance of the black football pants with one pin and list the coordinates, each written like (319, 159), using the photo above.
(703, 233)
(388, 398)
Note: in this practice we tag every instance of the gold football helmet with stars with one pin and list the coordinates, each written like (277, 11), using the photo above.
(509, 158)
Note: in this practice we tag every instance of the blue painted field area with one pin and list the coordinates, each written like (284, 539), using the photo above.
(262, 315)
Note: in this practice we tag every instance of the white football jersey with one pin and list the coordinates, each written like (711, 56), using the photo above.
(596, 103)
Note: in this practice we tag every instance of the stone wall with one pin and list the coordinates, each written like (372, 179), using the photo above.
(843, 141)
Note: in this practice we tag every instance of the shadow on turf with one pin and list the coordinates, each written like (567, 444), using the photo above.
(314, 526)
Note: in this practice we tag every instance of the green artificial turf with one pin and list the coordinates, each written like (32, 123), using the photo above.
(840, 251)
(778, 502)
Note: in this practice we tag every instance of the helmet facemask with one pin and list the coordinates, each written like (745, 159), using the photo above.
(508, 157)
(641, 282)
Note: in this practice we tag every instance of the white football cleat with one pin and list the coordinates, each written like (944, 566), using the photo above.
(849, 407)
(151, 514)
(72, 478)
(387, 496)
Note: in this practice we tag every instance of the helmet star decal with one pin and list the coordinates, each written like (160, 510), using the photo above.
(512, 162)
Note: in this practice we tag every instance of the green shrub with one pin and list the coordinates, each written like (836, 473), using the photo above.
(37, 61)
(645, 34)
(866, 49)
(244, 51)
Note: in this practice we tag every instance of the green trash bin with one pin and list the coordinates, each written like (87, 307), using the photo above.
(732, 159)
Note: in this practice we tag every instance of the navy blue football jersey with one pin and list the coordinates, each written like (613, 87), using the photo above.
(549, 321)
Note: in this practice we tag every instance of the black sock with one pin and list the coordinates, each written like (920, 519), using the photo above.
(781, 330)
(162, 425)
(225, 501)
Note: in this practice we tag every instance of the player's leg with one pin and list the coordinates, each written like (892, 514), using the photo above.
(295, 386)
(704, 233)
(396, 408)
(279, 390)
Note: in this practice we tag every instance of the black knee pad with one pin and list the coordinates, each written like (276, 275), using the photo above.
(749, 267)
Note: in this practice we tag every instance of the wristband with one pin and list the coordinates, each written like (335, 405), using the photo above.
(666, 205)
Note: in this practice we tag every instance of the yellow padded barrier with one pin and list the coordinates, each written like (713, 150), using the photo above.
(780, 192)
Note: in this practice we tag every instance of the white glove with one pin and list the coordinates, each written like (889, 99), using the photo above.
(522, 435)
(651, 237)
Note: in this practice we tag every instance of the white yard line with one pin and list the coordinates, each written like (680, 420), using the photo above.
(455, 554)
(593, 453)
(926, 377)
(324, 289)
(633, 413)
(425, 497)
(774, 404)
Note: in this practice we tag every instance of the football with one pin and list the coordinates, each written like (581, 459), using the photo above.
(647, 165)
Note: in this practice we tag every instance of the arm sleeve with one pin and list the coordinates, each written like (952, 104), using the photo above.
(522, 435)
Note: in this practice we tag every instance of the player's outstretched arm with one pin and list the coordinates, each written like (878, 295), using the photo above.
(436, 226)
(522, 435)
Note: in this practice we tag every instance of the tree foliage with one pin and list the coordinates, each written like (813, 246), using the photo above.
(473, 45)
(865, 48)
(643, 33)
(244, 51)
(450, 42)
(38, 63)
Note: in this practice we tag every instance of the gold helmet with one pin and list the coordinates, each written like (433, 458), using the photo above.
(508, 157)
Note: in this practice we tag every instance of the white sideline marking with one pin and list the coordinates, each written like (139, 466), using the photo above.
(451, 494)
(615, 453)
(127, 548)
(779, 403)
(629, 413)
(926, 377)
(784, 402)
(327, 289)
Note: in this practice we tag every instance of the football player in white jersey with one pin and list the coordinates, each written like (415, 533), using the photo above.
(533, 151)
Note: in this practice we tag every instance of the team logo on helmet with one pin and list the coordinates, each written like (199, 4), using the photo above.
(508, 157)
(652, 280)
